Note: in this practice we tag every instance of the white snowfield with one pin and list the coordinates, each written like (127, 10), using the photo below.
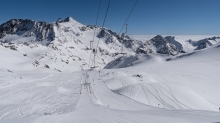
(41, 82)
(153, 90)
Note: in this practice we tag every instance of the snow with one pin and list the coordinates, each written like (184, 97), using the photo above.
(113, 108)
(41, 82)
(181, 41)
(199, 81)
(37, 94)
(178, 37)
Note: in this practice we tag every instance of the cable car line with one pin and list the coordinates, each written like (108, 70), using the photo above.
(94, 33)
(125, 22)
(94, 51)
(122, 28)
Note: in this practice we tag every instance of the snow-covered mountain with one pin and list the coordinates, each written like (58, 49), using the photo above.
(158, 44)
(144, 78)
(69, 42)
(61, 42)
(37, 31)
(183, 43)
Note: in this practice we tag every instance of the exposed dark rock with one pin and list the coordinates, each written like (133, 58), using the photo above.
(163, 46)
(202, 45)
(158, 44)
(42, 30)
(46, 66)
(172, 40)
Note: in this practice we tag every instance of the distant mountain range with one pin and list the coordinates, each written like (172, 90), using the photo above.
(72, 41)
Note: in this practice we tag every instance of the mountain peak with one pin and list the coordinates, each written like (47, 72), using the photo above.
(69, 19)
(158, 38)
(59, 20)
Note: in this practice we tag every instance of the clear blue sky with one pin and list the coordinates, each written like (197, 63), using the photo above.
(149, 17)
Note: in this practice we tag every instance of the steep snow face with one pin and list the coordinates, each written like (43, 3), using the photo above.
(35, 31)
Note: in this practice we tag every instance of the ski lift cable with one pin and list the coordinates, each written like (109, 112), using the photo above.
(94, 31)
(93, 38)
(126, 28)
(97, 19)
(125, 23)
(103, 25)
(128, 16)
(122, 38)
(122, 28)
(104, 21)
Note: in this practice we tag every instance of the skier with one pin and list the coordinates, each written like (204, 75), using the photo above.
(99, 74)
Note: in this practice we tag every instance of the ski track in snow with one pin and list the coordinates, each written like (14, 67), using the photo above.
(113, 107)
(89, 111)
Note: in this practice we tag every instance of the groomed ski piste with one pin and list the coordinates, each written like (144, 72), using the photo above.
(43, 82)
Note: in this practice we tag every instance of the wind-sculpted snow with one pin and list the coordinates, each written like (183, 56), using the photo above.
(127, 61)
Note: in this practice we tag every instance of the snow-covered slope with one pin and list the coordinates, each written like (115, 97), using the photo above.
(68, 42)
(150, 80)
(188, 81)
